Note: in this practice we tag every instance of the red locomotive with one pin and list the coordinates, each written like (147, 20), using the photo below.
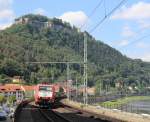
(44, 94)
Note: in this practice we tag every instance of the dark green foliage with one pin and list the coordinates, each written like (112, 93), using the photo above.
(35, 18)
(22, 43)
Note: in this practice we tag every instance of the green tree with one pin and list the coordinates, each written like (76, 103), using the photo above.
(11, 99)
(2, 98)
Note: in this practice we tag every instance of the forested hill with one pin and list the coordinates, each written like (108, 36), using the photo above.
(34, 38)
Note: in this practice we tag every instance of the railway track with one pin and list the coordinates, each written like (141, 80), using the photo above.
(52, 116)
(31, 113)
(76, 115)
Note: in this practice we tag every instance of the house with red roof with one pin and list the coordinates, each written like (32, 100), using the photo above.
(19, 91)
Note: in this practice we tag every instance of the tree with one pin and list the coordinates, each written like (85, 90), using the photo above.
(11, 99)
(61, 42)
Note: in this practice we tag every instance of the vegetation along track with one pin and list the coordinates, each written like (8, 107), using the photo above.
(31, 113)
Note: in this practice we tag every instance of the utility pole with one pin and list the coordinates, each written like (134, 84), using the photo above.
(85, 97)
(28, 52)
(68, 82)
(100, 88)
(76, 88)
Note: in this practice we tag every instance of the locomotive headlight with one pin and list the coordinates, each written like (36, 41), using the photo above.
(50, 94)
(45, 94)
(42, 94)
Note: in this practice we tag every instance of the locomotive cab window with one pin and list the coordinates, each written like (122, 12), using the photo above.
(45, 88)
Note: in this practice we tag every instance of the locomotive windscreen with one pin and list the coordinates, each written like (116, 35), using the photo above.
(45, 91)
(45, 88)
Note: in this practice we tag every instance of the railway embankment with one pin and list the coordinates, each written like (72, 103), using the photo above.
(112, 115)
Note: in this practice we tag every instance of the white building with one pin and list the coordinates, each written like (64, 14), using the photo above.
(12, 90)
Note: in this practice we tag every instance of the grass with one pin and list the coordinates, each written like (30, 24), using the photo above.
(119, 102)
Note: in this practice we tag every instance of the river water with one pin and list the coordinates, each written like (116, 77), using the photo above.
(140, 107)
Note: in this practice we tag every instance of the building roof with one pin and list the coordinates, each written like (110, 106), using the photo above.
(15, 87)
(10, 88)
(27, 88)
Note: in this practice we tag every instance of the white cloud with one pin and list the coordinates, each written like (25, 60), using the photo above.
(143, 56)
(121, 43)
(77, 18)
(5, 4)
(140, 10)
(144, 24)
(127, 32)
(40, 11)
(4, 26)
(142, 45)
(7, 15)
(146, 57)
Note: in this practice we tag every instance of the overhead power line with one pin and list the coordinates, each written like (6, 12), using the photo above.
(94, 10)
(92, 13)
(138, 32)
(139, 39)
(107, 15)
(105, 7)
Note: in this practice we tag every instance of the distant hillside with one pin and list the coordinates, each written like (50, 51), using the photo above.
(38, 38)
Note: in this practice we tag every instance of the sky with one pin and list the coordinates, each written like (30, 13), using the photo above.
(127, 29)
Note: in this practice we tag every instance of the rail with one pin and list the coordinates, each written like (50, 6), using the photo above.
(52, 113)
(19, 108)
(46, 116)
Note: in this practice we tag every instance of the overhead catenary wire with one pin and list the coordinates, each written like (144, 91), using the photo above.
(105, 7)
(107, 15)
(92, 13)
(139, 39)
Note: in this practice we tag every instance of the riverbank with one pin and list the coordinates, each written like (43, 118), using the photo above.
(122, 101)
(108, 114)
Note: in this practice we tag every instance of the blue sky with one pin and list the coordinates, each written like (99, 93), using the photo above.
(124, 30)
